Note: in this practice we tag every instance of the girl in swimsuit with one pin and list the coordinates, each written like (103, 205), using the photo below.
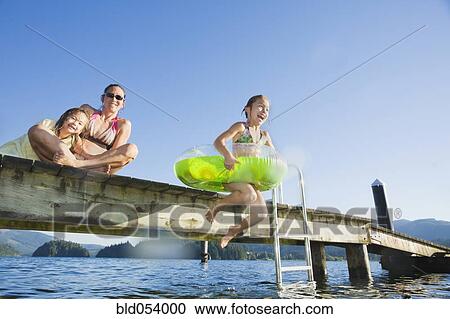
(256, 112)
(105, 142)
(65, 132)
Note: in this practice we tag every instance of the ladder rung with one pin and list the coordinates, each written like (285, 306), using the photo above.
(295, 268)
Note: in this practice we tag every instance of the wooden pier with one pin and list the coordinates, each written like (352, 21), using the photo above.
(37, 195)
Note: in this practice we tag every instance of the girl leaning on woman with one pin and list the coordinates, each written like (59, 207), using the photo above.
(90, 138)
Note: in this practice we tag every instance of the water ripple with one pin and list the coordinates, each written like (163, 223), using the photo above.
(26, 277)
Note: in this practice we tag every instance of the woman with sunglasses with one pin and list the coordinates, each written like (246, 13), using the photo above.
(105, 140)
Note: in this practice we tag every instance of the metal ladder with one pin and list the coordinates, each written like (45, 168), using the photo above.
(276, 237)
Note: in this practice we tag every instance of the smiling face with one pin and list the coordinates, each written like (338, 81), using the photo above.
(74, 124)
(258, 111)
(111, 103)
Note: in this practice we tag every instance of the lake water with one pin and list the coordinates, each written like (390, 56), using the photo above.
(27, 277)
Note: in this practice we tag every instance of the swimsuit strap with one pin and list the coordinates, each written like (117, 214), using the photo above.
(246, 136)
(262, 138)
(115, 124)
(106, 137)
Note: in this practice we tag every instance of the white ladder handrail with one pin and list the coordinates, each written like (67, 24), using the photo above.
(276, 242)
(308, 254)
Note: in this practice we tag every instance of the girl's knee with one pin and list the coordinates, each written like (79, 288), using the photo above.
(250, 194)
(32, 132)
(262, 206)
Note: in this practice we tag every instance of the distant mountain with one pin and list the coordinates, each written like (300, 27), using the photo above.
(232, 252)
(124, 250)
(61, 248)
(93, 249)
(173, 249)
(23, 241)
(429, 229)
(7, 250)
(265, 251)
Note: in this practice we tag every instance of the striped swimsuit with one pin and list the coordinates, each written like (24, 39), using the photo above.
(103, 139)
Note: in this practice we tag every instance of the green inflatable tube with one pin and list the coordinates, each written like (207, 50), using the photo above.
(209, 173)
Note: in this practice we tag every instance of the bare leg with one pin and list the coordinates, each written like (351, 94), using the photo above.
(45, 144)
(258, 211)
(90, 149)
(241, 194)
(115, 158)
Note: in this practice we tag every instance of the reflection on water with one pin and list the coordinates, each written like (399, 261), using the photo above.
(298, 290)
(26, 277)
(383, 285)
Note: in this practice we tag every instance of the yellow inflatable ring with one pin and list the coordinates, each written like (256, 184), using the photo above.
(203, 167)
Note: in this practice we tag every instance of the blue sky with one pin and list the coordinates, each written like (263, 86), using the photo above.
(202, 60)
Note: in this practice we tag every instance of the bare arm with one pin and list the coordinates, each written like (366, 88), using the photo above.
(220, 141)
(269, 140)
(116, 158)
(123, 134)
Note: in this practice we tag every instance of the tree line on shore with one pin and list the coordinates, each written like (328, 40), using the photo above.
(175, 249)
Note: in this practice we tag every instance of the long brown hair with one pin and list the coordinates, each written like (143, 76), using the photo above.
(68, 114)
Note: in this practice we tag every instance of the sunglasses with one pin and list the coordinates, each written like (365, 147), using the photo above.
(117, 96)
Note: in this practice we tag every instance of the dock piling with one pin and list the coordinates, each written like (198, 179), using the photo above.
(319, 260)
(358, 262)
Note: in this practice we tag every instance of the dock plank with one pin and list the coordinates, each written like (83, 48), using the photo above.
(17, 163)
(139, 183)
(46, 168)
(118, 180)
(69, 171)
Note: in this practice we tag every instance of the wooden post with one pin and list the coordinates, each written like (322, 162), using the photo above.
(319, 260)
(204, 254)
(358, 262)
(381, 205)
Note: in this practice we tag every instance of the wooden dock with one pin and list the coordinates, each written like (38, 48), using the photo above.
(36, 195)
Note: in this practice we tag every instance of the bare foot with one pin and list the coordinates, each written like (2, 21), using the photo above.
(233, 231)
(79, 157)
(103, 169)
(61, 158)
(211, 214)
